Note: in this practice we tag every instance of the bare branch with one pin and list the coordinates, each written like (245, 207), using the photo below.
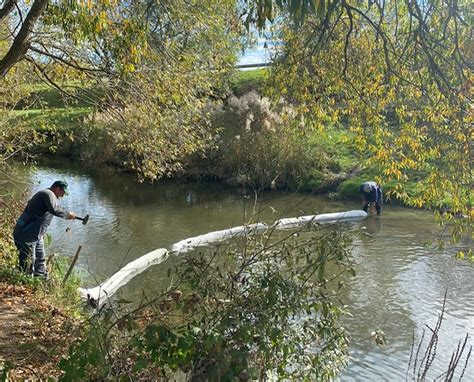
(20, 22)
(49, 81)
(66, 62)
(346, 44)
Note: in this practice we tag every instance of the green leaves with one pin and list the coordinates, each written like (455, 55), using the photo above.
(87, 358)
(399, 92)
(159, 115)
(116, 26)
(4, 368)
(259, 309)
(261, 11)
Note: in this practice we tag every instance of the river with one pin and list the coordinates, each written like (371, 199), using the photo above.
(399, 284)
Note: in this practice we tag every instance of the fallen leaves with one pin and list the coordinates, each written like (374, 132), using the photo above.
(34, 335)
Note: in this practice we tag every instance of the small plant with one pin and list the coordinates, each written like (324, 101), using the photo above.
(262, 306)
(423, 355)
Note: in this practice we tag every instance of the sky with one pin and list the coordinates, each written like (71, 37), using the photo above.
(257, 54)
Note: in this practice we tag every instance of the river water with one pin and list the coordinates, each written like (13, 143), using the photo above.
(399, 285)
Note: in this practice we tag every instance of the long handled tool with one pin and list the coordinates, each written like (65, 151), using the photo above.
(76, 256)
(85, 219)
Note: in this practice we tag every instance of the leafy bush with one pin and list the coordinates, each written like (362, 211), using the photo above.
(265, 306)
(7, 246)
(261, 146)
(349, 189)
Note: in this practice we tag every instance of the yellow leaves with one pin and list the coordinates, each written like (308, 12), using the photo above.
(417, 93)
(393, 172)
(460, 255)
(460, 137)
(108, 3)
(98, 27)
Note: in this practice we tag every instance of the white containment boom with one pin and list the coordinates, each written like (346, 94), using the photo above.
(335, 217)
(102, 292)
(217, 236)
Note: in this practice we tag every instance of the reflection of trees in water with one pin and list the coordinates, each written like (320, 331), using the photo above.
(373, 225)
(124, 188)
(399, 285)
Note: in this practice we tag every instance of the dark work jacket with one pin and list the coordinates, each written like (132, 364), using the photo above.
(374, 195)
(36, 218)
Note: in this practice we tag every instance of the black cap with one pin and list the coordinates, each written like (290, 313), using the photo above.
(61, 184)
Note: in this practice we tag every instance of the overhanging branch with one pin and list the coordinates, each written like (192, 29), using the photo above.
(70, 63)
(20, 44)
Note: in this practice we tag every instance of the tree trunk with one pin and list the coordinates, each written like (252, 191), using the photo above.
(20, 44)
(6, 9)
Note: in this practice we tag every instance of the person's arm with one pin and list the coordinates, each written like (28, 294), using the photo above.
(52, 206)
(362, 193)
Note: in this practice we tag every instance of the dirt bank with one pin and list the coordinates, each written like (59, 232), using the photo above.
(34, 335)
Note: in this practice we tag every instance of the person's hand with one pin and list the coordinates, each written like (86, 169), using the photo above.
(371, 209)
(71, 216)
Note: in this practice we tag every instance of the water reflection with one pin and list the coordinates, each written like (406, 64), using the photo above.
(399, 286)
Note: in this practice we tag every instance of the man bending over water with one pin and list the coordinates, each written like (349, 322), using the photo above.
(371, 194)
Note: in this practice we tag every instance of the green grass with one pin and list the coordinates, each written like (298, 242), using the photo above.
(42, 96)
(248, 80)
(337, 144)
(59, 118)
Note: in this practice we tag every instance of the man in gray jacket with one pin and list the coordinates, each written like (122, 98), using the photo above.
(33, 224)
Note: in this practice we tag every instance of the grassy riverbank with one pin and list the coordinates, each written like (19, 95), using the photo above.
(317, 162)
(265, 154)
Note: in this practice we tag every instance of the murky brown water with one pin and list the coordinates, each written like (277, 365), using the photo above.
(400, 281)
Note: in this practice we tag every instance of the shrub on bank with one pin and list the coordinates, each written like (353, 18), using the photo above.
(9, 211)
(257, 145)
(261, 146)
(261, 308)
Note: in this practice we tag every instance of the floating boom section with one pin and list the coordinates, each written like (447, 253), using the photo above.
(217, 236)
(335, 217)
(104, 291)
